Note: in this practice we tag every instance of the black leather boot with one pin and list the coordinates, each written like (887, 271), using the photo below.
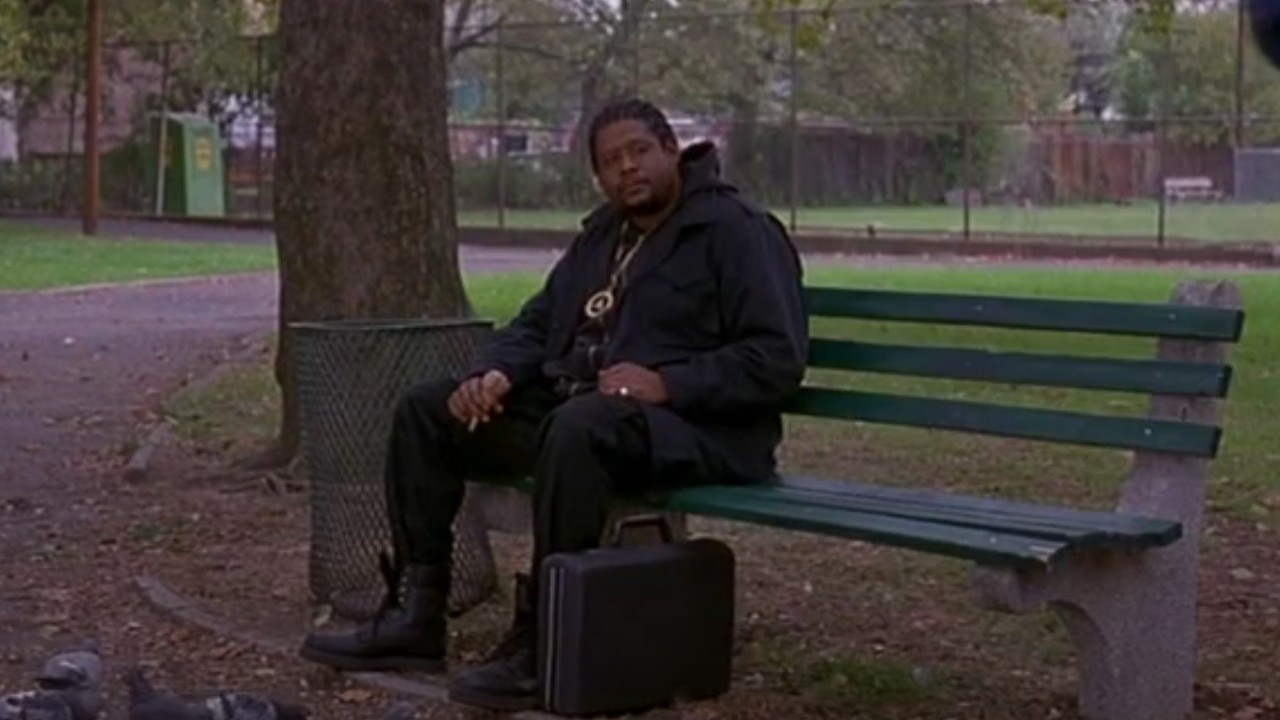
(507, 681)
(402, 636)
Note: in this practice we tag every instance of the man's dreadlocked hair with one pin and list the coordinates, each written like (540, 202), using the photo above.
(631, 109)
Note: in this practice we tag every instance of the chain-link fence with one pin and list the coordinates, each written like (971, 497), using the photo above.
(938, 117)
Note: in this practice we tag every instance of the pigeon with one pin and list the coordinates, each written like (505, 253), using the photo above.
(77, 668)
(76, 676)
(244, 706)
(147, 703)
(34, 705)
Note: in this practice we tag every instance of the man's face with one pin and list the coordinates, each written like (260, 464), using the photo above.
(636, 171)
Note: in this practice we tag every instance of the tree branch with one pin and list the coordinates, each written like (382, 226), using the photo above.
(459, 41)
(460, 20)
(594, 11)
(534, 50)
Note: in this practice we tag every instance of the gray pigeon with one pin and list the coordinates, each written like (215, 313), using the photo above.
(244, 706)
(77, 677)
(34, 705)
(77, 668)
(147, 703)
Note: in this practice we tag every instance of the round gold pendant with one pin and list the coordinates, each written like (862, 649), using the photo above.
(599, 304)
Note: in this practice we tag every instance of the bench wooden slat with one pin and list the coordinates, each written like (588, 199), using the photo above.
(1059, 524)
(1140, 319)
(1145, 376)
(1018, 422)
(1162, 530)
(740, 503)
(993, 523)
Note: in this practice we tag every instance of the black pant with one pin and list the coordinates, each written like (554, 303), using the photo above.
(580, 452)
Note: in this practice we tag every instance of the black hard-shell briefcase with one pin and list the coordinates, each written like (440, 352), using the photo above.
(624, 629)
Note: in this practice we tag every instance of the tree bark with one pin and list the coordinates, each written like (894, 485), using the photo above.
(364, 210)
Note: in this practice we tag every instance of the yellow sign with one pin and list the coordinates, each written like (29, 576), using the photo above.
(204, 154)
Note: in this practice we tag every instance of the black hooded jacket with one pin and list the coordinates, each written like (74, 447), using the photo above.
(714, 303)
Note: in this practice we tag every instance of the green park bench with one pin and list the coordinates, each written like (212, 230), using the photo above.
(1123, 581)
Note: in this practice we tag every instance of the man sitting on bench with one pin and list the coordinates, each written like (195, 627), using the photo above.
(658, 353)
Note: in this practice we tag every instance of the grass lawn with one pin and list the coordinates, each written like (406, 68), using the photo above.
(1219, 222)
(1243, 478)
(32, 259)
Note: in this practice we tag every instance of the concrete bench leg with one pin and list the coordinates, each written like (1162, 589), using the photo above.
(1132, 616)
(1132, 619)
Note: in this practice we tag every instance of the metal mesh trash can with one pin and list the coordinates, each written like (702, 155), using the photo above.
(351, 373)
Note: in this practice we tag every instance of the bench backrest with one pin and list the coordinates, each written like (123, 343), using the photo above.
(1149, 376)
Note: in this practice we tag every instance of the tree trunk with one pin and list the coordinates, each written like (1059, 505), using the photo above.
(364, 208)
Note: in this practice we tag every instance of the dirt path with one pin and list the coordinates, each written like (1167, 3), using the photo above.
(80, 371)
(78, 367)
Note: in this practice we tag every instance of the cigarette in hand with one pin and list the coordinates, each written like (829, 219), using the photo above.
(472, 423)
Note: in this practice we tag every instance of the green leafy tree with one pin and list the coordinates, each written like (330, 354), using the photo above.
(42, 44)
(1190, 73)
(38, 41)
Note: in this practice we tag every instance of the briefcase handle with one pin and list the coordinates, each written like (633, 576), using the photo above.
(635, 521)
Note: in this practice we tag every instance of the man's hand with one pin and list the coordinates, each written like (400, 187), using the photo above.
(479, 398)
(632, 381)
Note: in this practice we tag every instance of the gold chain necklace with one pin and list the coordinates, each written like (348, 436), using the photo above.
(603, 300)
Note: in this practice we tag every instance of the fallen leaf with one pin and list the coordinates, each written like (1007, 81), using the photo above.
(355, 695)
(1243, 574)
(222, 653)
(323, 615)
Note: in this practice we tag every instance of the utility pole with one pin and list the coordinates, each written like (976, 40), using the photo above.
(92, 117)
(1239, 73)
